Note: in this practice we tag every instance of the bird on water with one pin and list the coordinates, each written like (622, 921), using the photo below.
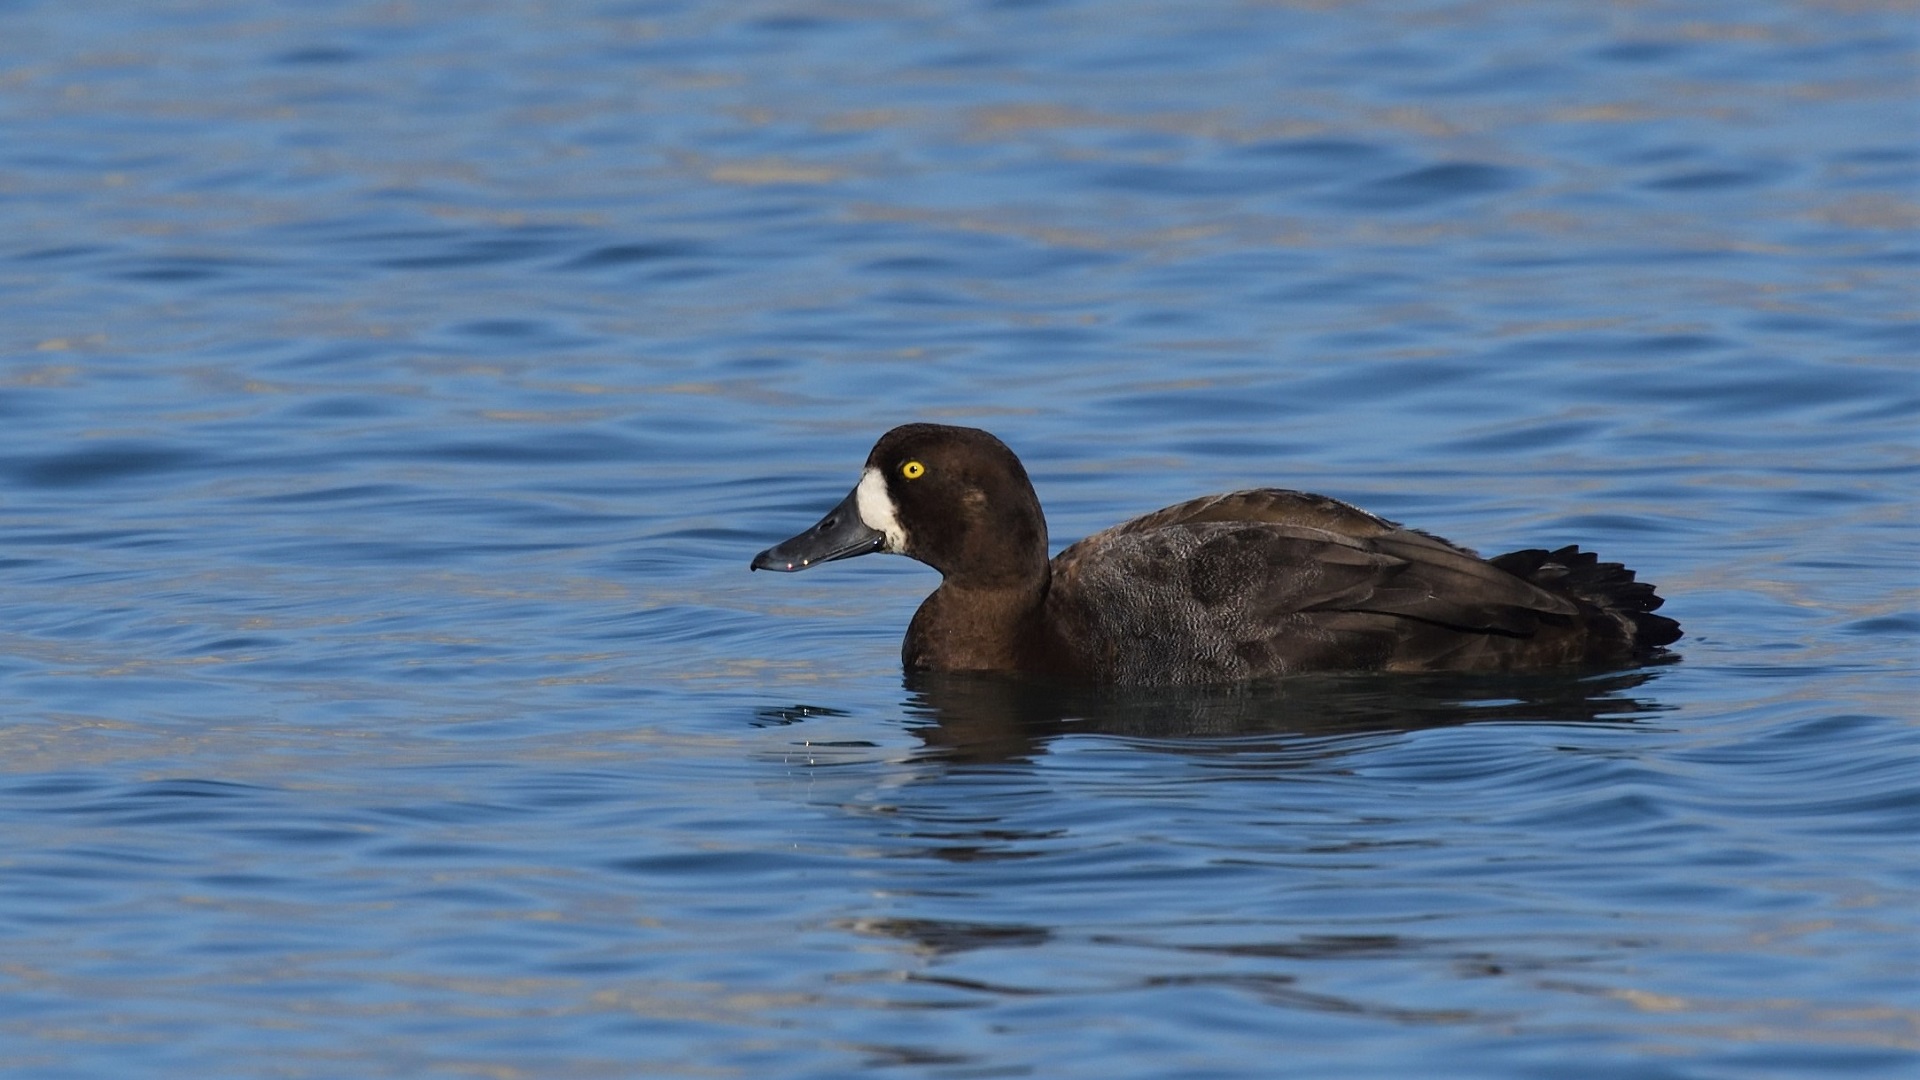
(1223, 588)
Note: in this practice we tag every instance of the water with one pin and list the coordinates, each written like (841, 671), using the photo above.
(394, 395)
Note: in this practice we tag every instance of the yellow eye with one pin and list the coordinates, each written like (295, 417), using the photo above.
(913, 470)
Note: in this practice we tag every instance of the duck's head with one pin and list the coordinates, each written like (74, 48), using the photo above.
(954, 498)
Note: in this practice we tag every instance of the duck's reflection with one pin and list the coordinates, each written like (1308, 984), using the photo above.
(995, 718)
(985, 865)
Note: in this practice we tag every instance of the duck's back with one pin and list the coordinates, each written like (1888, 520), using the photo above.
(1273, 582)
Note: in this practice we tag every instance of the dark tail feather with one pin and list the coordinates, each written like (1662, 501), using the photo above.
(1609, 588)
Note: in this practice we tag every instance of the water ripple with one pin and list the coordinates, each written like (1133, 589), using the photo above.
(395, 396)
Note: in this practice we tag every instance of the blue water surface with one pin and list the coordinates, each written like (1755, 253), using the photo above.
(393, 395)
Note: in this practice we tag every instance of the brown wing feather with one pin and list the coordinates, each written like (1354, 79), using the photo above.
(1275, 506)
(1270, 581)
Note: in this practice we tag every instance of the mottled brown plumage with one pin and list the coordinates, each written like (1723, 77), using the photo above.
(1218, 589)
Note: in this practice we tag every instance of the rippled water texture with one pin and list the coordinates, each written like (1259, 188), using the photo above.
(394, 394)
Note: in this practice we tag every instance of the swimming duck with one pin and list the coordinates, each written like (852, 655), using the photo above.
(1223, 588)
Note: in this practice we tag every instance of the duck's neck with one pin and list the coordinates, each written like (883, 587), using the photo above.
(981, 628)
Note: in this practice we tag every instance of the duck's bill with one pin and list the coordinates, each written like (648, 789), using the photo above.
(839, 535)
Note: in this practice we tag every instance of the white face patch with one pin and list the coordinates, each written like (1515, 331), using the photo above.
(877, 509)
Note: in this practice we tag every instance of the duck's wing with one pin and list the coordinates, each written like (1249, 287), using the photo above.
(1271, 582)
(1271, 506)
(1373, 562)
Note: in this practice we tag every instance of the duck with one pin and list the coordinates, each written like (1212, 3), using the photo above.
(1227, 588)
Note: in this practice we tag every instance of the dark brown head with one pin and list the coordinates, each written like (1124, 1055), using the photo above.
(954, 498)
